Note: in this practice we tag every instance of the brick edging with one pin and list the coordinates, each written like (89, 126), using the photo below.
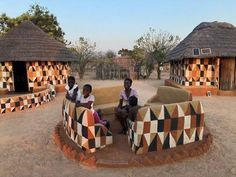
(72, 151)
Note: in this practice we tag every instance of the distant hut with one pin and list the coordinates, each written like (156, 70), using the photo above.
(30, 58)
(128, 64)
(205, 60)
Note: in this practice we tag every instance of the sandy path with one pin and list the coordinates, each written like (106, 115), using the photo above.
(27, 147)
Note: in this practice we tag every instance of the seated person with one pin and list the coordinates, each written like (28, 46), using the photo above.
(121, 112)
(52, 90)
(133, 108)
(72, 90)
(87, 100)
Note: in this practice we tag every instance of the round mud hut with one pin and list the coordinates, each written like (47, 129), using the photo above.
(30, 59)
(205, 61)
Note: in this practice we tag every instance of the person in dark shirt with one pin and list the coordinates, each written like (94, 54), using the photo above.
(133, 108)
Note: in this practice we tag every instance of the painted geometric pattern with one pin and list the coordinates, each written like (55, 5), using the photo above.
(41, 73)
(6, 75)
(177, 71)
(194, 72)
(80, 126)
(17, 103)
(166, 126)
(199, 72)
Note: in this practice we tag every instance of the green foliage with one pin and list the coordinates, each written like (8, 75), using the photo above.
(156, 45)
(110, 54)
(40, 16)
(125, 52)
(137, 55)
(85, 53)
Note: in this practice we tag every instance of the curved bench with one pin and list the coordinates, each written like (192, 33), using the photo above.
(167, 95)
(3, 91)
(107, 98)
(80, 127)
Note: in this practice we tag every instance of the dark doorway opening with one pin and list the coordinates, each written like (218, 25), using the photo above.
(20, 76)
(227, 74)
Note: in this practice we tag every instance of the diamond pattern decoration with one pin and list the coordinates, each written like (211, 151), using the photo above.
(18, 103)
(193, 72)
(41, 73)
(80, 126)
(182, 123)
(6, 76)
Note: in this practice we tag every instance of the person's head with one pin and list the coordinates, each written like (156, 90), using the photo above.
(71, 81)
(87, 89)
(127, 83)
(133, 101)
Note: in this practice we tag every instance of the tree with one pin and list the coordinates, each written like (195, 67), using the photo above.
(110, 54)
(156, 45)
(40, 16)
(137, 55)
(125, 52)
(85, 52)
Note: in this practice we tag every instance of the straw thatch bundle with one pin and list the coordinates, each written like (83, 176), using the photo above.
(27, 42)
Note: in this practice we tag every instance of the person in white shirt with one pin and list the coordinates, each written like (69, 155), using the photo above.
(122, 109)
(87, 100)
(72, 90)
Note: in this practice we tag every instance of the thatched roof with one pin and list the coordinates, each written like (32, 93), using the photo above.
(218, 36)
(27, 42)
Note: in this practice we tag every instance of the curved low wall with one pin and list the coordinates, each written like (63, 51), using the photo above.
(72, 151)
(21, 102)
(80, 126)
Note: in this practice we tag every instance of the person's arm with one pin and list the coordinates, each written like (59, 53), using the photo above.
(74, 96)
(68, 95)
(135, 93)
(86, 105)
(120, 103)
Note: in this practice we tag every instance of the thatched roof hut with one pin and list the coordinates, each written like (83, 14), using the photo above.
(30, 58)
(206, 57)
(27, 42)
(220, 37)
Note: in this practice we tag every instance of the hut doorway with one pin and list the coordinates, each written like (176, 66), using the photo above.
(227, 74)
(20, 76)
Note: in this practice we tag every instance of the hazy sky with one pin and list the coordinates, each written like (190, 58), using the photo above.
(116, 24)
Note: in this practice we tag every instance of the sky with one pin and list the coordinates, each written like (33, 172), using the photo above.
(116, 24)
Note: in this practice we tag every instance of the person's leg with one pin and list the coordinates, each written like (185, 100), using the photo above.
(121, 115)
(107, 124)
(100, 114)
(123, 118)
(118, 116)
(96, 117)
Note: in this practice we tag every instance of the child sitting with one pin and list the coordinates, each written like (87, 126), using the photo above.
(52, 90)
(87, 100)
(72, 90)
(133, 108)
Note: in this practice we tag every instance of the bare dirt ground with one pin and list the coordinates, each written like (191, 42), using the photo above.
(27, 147)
